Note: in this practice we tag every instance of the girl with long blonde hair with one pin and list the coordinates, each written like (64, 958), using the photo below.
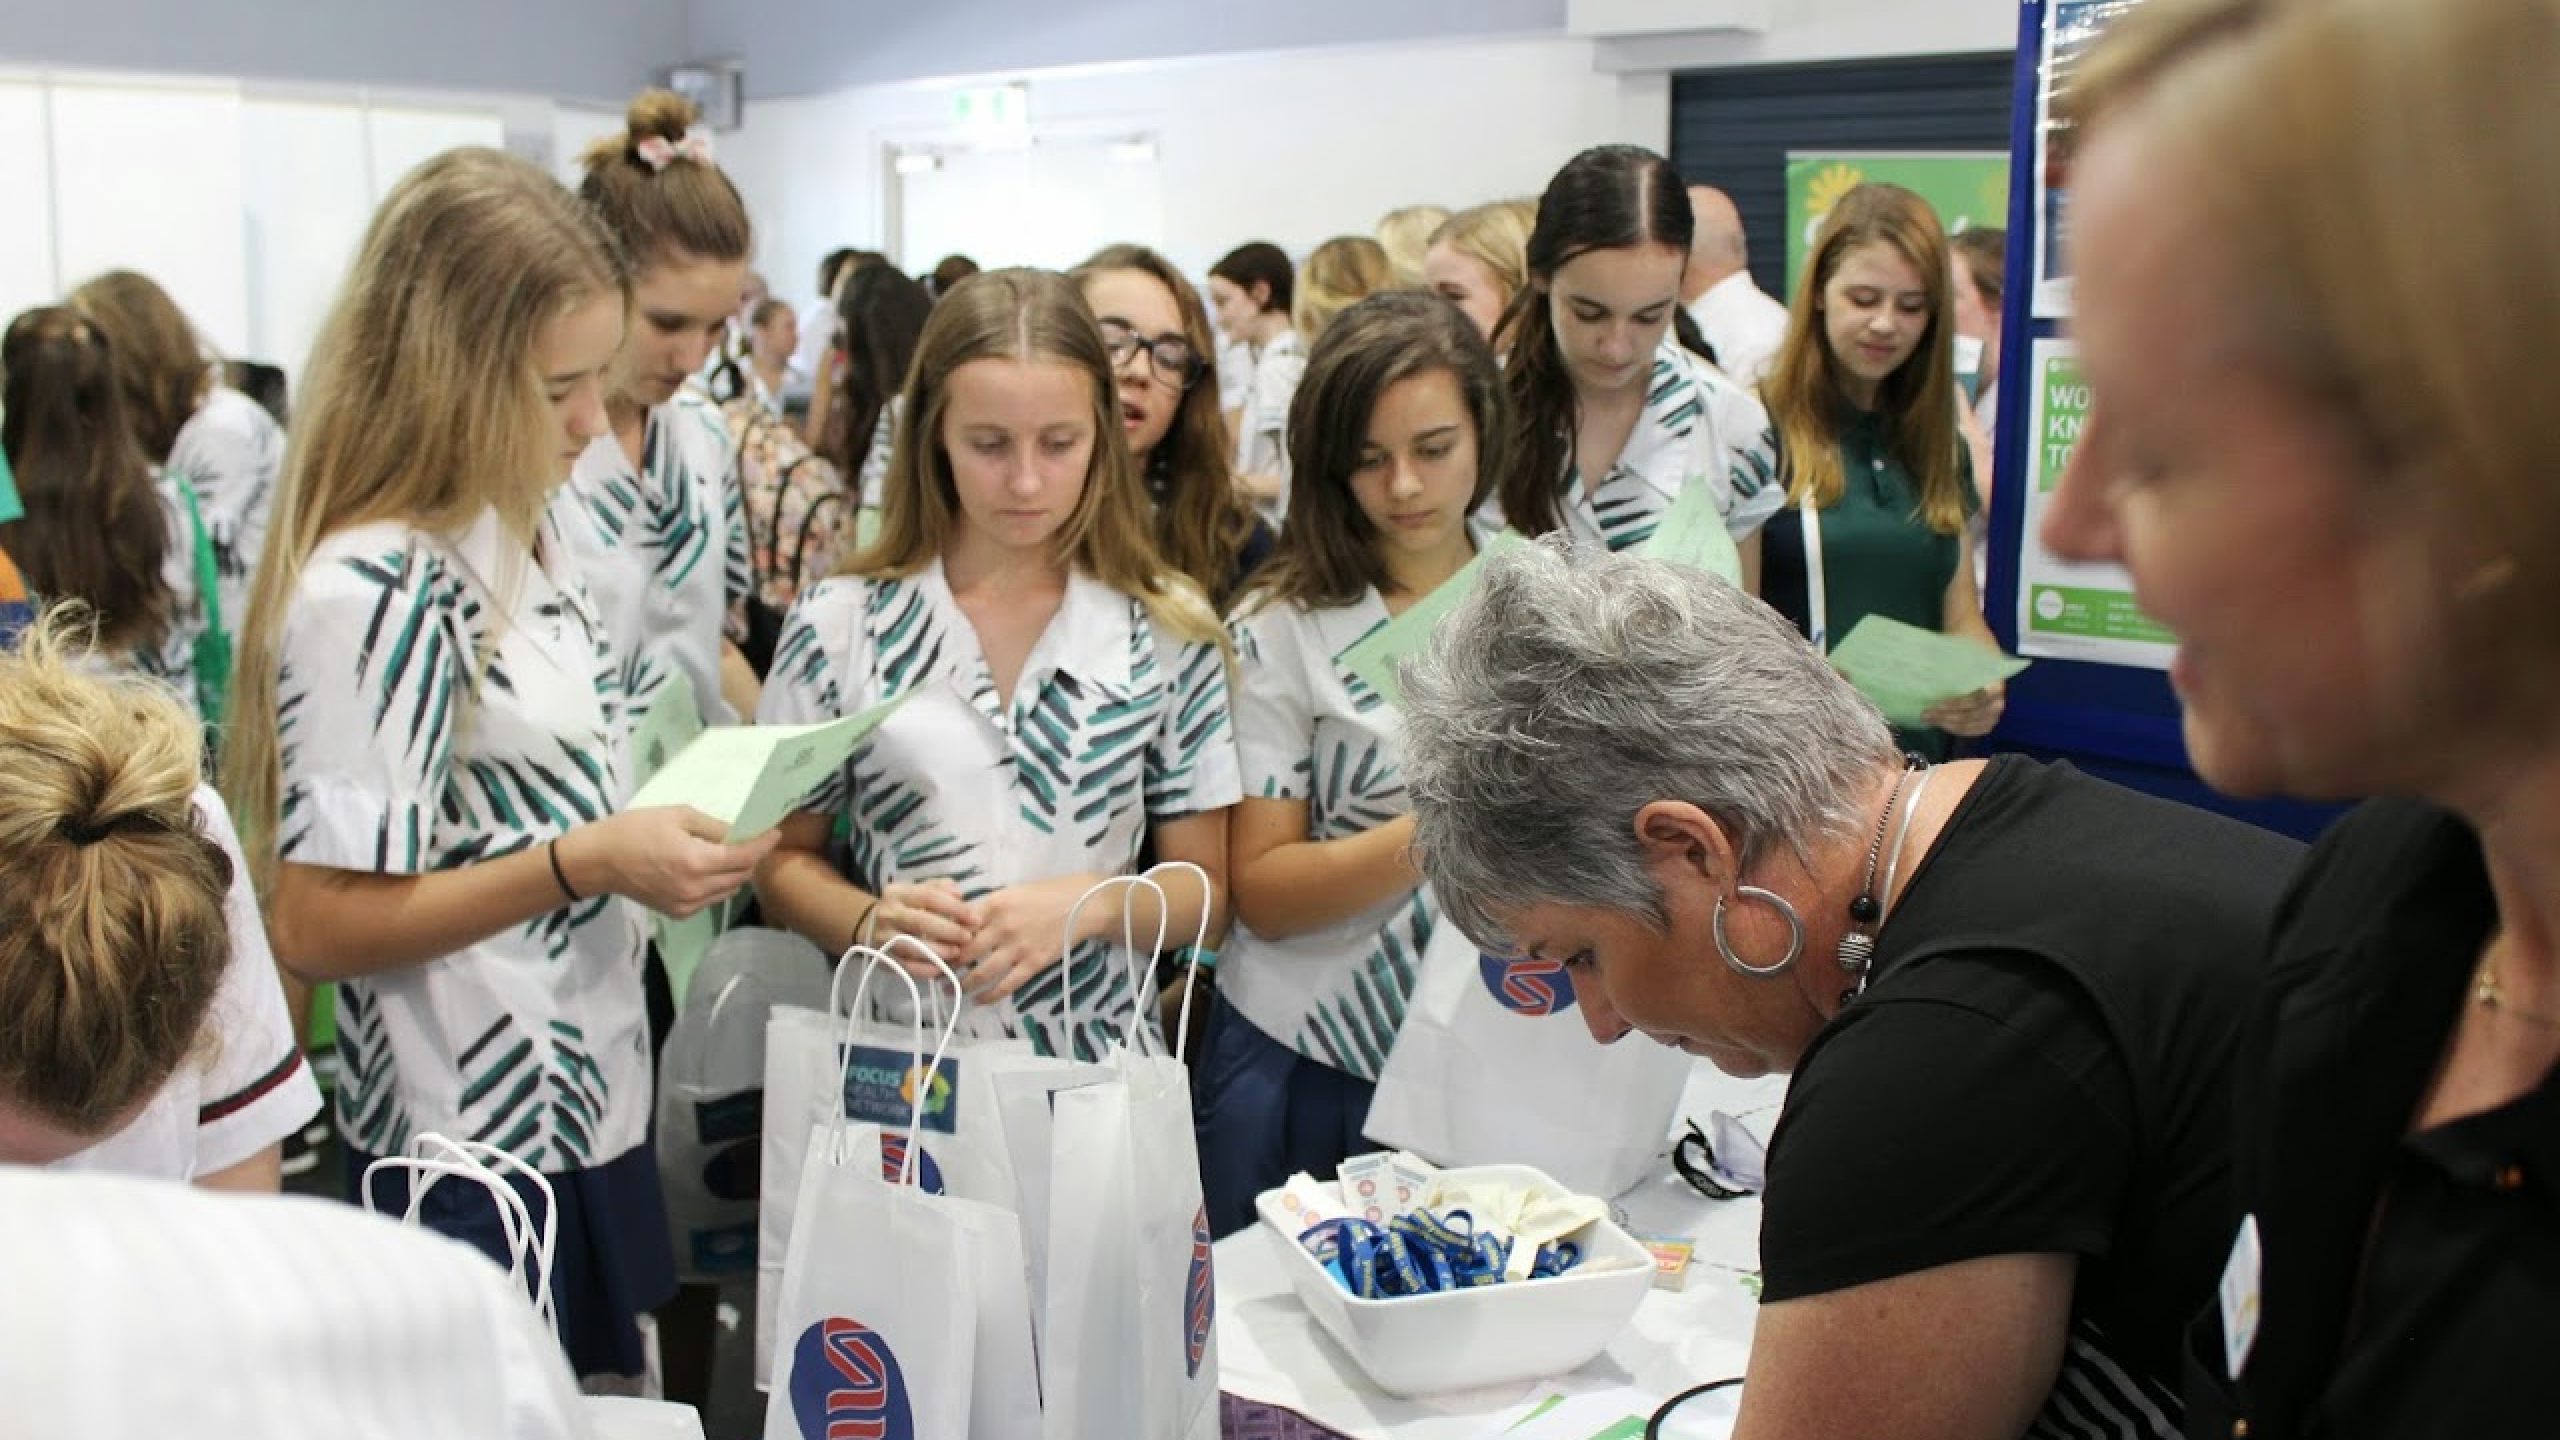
(429, 756)
(1478, 259)
(1070, 692)
(1862, 401)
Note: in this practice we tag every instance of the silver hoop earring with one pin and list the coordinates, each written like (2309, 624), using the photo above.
(1795, 933)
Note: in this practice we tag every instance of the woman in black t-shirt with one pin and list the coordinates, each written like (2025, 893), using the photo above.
(2322, 443)
(2009, 994)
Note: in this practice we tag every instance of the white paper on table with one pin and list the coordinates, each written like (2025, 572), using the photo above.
(1615, 1414)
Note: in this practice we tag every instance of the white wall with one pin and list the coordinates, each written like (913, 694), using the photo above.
(245, 202)
(1290, 147)
(1800, 31)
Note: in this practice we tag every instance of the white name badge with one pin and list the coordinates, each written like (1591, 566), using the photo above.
(2240, 1297)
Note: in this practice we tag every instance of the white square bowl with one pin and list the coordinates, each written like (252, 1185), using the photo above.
(1491, 1335)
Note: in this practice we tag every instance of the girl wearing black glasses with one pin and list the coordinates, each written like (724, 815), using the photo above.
(1158, 335)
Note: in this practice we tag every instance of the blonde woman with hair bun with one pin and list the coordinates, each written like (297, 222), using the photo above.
(147, 1034)
(1070, 690)
(429, 752)
(654, 510)
(1478, 259)
(1404, 233)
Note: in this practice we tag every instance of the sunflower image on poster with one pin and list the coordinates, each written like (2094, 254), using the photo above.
(1829, 186)
(1968, 190)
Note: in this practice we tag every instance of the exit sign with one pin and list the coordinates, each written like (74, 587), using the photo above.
(986, 108)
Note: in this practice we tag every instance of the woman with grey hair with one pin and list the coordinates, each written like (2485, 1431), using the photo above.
(2009, 994)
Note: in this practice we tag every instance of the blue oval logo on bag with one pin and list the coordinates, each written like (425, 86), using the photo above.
(1523, 986)
(1200, 1298)
(893, 1162)
(845, 1385)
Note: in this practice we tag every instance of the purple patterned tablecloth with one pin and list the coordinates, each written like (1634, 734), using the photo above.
(1241, 1419)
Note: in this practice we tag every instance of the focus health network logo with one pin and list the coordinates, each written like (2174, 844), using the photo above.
(880, 1086)
(1525, 986)
(845, 1385)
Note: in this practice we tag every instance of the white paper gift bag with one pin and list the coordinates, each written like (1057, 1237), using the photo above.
(878, 1312)
(532, 1245)
(1493, 1065)
(960, 1135)
(1128, 1340)
(824, 1064)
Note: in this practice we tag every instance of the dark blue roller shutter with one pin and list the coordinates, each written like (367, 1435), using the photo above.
(1733, 128)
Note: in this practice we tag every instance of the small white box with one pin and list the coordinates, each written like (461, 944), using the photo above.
(1491, 1335)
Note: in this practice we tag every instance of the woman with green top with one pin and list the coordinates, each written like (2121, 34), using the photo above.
(1862, 402)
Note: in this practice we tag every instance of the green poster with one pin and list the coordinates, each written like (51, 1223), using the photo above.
(2072, 610)
(2060, 419)
(1969, 189)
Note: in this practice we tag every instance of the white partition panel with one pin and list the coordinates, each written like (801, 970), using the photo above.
(26, 245)
(573, 129)
(148, 178)
(402, 138)
(305, 185)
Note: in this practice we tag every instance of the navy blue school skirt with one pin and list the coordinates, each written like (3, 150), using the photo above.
(1262, 1112)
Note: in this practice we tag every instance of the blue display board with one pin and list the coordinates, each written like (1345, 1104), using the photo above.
(2118, 721)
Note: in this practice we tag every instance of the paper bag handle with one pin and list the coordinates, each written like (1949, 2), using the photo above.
(1128, 941)
(1199, 941)
(478, 1163)
(873, 959)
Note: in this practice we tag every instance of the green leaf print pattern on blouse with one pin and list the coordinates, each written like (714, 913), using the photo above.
(1355, 786)
(1664, 456)
(541, 1096)
(1083, 755)
(652, 537)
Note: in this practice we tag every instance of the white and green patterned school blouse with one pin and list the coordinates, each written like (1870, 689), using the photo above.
(1698, 428)
(1307, 729)
(402, 756)
(232, 451)
(663, 547)
(1114, 725)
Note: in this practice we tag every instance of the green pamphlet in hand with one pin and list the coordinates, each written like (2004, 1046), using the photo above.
(670, 724)
(1906, 669)
(1692, 533)
(11, 508)
(1374, 656)
(754, 776)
